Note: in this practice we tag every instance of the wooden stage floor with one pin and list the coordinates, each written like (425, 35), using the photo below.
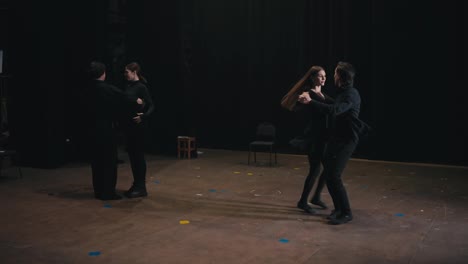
(217, 209)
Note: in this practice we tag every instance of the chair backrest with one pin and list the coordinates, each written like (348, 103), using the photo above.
(266, 131)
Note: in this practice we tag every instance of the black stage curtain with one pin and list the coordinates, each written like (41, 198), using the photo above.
(234, 60)
(51, 44)
(218, 68)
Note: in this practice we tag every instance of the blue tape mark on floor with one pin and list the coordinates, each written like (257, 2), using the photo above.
(156, 182)
(212, 190)
(94, 253)
(399, 214)
(107, 206)
(283, 240)
(223, 191)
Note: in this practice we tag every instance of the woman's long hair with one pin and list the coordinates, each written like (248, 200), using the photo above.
(133, 66)
(290, 99)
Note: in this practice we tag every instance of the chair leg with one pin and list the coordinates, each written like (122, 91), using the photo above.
(189, 149)
(178, 149)
(20, 173)
(194, 147)
(248, 159)
(19, 168)
(271, 150)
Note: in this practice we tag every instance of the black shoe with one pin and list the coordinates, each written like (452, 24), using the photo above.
(305, 207)
(342, 219)
(333, 214)
(319, 203)
(110, 197)
(134, 193)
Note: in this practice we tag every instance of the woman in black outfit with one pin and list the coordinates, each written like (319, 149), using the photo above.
(314, 140)
(134, 128)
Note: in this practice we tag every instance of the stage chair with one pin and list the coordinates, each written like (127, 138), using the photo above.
(264, 141)
(13, 155)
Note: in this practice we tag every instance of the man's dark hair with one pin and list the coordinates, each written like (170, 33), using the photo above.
(346, 73)
(96, 69)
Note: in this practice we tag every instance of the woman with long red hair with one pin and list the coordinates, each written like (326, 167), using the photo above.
(314, 139)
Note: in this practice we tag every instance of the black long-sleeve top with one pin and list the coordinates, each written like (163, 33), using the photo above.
(318, 124)
(345, 109)
(135, 90)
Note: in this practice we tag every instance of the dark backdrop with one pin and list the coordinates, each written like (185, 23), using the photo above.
(218, 68)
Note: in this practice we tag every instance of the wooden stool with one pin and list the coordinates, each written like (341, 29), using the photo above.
(185, 145)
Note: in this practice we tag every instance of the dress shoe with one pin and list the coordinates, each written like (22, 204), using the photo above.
(134, 193)
(305, 207)
(109, 197)
(319, 203)
(333, 214)
(341, 219)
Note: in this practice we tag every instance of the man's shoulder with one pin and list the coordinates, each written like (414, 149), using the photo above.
(107, 85)
(353, 91)
(107, 88)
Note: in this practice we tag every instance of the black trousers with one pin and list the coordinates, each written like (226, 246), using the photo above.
(315, 157)
(104, 169)
(134, 134)
(336, 157)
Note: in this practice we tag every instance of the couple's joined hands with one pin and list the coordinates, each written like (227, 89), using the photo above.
(137, 119)
(305, 98)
